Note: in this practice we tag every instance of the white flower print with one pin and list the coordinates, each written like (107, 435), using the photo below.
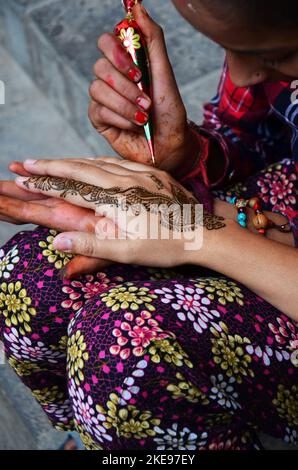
(85, 413)
(266, 353)
(22, 348)
(129, 388)
(291, 436)
(173, 438)
(223, 392)
(62, 412)
(190, 304)
(8, 262)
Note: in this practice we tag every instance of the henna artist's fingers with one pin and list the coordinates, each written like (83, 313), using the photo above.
(10, 189)
(107, 97)
(117, 55)
(103, 118)
(104, 70)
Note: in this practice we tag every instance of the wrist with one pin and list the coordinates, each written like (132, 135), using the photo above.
(209, 243)
(188, 155)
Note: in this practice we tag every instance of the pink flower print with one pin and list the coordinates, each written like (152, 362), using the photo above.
(79, 291)
(278, 188)
(285, 334)
(135, 334)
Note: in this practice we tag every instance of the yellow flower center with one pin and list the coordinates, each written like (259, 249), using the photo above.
(129, 297)
(13, 303)
(74, 352)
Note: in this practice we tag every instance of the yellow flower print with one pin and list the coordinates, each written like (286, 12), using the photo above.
(286, 403)
(111, 413)
(128, 421)
(130, 39)
(187, 390)
(161, 274)
(221, 289)
(136, 424)
(15, 305)
(56, 257)
(87, 440)
(24, 369)
(48, 395)
(62, 346)
(230, 354)
(128, 297)
(76, 356)
(169, 351)
(218, 419)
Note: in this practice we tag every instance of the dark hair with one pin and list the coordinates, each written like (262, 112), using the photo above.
(282, 14)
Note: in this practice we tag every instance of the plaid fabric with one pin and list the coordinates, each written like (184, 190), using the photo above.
(255, 126)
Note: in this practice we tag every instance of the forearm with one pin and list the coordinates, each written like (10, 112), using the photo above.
(268, 268)
(229, 211)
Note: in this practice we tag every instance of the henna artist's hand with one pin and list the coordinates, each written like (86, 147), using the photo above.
(117, 101)
(19, 207)
(117, 192)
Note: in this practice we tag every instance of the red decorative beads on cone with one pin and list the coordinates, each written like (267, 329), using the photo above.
(129, 4)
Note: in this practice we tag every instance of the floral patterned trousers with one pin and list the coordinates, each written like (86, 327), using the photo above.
(138, 358)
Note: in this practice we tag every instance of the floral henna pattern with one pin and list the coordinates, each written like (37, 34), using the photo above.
(170, 208)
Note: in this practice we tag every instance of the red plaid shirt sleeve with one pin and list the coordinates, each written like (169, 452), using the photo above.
(248, 133)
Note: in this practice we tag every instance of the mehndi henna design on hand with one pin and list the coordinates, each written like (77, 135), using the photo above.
(159, 184)
(170, 208)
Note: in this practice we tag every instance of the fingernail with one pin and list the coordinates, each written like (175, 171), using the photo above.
(141, 118)
(29, 161)
(21, 179)
(62, 244)
(63, 273)
(143, 103)
(135, 74)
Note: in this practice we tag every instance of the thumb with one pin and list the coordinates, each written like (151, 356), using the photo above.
(87, 244)
(157, 50)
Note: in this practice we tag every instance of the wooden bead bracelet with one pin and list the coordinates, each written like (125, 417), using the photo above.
(260, 221)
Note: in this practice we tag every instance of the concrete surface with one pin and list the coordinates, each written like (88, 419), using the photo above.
(47, 50)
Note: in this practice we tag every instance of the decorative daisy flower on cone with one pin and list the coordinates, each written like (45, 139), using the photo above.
(130, 39)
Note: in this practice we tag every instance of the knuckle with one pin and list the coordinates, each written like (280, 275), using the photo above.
(103, 41)
(87, 247)
(101, 114)
(158, 31)
(101, 67)
(93, 88)
(78, 169)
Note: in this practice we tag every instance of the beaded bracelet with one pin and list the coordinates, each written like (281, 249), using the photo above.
(260, 221)
(241, 205)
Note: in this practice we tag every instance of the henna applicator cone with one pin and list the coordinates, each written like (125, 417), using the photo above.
(133, 40)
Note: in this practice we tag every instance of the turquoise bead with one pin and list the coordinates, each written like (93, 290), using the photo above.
(233, 200)
(242, 217)
(243, 224)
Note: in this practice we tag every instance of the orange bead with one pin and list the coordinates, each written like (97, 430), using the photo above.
(260, 221)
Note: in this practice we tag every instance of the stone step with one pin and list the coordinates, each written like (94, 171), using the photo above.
(14, 435)
(29, 126)
(55, 42)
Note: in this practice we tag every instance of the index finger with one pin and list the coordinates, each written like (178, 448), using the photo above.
(118, 56)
